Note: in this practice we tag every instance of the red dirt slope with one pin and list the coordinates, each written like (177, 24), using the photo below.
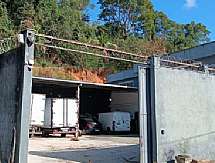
(71, 73)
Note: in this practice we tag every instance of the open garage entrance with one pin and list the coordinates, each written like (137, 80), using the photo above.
(93, 99)
(101, 100)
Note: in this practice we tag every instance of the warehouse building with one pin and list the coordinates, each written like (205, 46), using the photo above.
(126, 78)
(204, 53)
(94, 98)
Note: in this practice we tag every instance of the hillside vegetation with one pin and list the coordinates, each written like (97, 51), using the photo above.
(131, 25)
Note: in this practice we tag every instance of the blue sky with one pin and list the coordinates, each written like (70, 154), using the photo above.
(181, 11)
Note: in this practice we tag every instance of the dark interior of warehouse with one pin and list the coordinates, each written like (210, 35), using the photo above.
(92, 100)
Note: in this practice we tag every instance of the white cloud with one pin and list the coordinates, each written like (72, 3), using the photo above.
(190, 3)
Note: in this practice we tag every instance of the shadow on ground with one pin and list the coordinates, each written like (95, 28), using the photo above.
(120, 154)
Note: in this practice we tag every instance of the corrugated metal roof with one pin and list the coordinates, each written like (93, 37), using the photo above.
(73, 83)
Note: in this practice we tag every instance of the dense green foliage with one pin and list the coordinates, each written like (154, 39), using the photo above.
(129, 25)
(6, 26)
(138, 18)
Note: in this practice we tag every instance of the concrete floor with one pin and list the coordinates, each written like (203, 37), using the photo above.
(89, 149)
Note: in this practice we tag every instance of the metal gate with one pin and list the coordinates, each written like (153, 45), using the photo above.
(15, 98)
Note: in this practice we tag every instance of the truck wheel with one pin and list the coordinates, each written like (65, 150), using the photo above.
(63, 135)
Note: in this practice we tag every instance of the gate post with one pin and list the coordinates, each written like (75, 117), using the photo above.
(24, 120)
(143, 115)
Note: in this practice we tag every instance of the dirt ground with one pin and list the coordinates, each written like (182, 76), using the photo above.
(89, 149)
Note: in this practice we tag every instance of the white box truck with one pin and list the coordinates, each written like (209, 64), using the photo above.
(61, 116)
(53, 115)
(115, 121)
(37, 113)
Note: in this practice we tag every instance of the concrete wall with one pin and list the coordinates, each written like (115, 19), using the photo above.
(184, 110)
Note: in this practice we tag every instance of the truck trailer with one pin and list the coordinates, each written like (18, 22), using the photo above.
(61, 116)
(53, 115)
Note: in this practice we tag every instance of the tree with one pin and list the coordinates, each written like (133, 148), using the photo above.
(183, 36)
(119, 16)
(147, 19)
(129, 25)
(140, 19)
(6, 25)
(65, 19)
